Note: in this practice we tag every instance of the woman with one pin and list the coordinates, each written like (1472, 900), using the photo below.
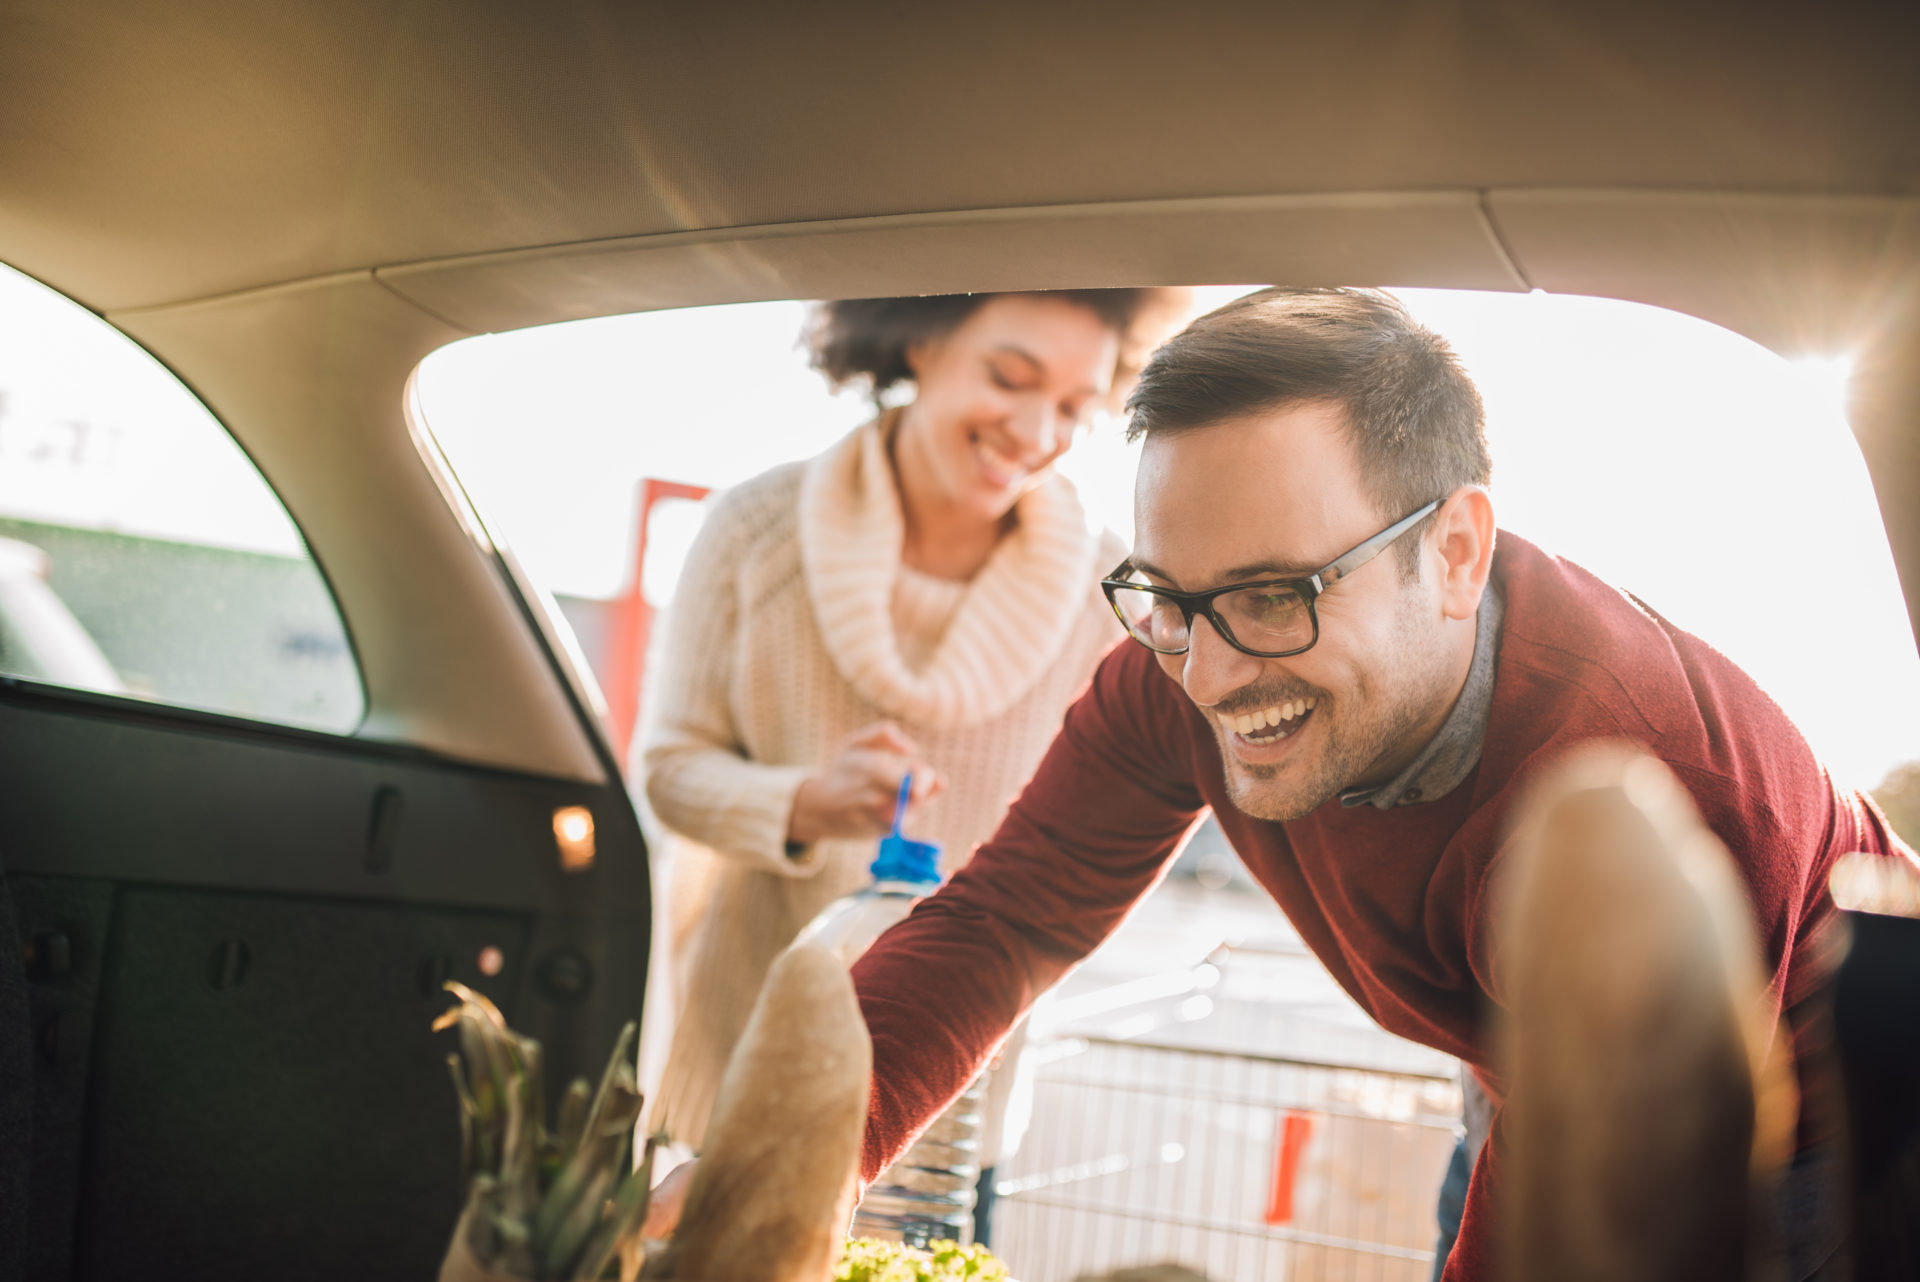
(920, 597)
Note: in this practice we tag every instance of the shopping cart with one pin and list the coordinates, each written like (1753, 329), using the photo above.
(1240, 1118)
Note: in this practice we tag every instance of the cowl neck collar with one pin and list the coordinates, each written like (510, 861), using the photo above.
(1014, 616)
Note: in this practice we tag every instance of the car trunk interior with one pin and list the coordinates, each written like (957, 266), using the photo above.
(229, 937)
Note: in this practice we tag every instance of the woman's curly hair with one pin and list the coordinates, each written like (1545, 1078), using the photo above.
(867, 339)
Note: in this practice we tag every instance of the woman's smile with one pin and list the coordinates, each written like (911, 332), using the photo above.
(1002, 470)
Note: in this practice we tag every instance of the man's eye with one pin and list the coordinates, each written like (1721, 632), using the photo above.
(1270, 604)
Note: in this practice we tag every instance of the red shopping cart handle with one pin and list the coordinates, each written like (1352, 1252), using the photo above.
(1289, 1141)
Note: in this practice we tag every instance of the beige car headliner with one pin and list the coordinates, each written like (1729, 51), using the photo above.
(291, 203)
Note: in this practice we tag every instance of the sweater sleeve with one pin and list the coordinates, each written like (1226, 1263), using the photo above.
(1110, 803)
(699, 779)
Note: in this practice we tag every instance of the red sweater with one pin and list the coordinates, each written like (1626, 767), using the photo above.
(1393, 902)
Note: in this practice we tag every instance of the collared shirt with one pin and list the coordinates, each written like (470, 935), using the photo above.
(1438, 769)
(1455, 748)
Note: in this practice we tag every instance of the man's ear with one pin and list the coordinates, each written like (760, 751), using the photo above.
(1463, 540)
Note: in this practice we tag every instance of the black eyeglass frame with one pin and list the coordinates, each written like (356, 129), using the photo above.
(1307, 588)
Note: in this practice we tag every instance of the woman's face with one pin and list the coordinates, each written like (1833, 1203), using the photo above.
(1001, 396)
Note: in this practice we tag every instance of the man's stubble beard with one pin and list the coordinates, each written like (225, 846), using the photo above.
(1416, 670)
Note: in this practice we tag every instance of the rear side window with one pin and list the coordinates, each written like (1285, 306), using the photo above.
(141, 553)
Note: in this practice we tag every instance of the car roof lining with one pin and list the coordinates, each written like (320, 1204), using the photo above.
(174, 149)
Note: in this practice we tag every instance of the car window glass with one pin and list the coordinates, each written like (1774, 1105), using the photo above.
(141, 553)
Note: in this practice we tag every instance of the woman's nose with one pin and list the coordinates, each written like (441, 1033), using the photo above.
(1039, 428)
(1214, 669)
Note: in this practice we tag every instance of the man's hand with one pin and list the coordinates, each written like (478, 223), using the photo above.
(669, 1198)
(854, 795)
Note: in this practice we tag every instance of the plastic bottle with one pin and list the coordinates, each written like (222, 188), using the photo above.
(904, 872)
(928, 1193)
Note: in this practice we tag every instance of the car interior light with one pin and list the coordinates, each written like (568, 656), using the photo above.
(573, 832)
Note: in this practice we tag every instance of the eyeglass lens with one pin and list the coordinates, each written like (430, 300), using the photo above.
(1270, 619)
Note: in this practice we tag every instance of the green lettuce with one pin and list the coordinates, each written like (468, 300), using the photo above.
(868, 1260)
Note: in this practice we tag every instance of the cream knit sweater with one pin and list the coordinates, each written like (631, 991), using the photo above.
(794, 626)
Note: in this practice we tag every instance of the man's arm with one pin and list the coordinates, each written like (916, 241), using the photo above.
(1109, 804)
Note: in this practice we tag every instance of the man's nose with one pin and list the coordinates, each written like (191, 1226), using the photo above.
(1214, 669)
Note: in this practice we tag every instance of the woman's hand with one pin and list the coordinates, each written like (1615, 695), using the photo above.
(855, 794)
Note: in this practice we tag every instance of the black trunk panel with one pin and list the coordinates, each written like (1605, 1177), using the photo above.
(264, 1067)
(232, 939)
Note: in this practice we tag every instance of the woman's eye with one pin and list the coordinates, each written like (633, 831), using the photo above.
(1009, 382)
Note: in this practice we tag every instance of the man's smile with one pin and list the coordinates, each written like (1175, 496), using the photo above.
(1256, 735)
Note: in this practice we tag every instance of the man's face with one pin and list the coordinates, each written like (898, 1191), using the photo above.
(1274, 494)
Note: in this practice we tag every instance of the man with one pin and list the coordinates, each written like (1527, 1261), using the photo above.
(1333, 653)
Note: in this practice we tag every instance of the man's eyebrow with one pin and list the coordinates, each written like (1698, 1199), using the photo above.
(1239, 573)
(1269, 570)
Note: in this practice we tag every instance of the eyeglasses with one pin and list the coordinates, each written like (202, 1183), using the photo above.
(1269, 619)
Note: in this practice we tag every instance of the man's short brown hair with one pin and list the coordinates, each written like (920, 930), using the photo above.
(1415, 418)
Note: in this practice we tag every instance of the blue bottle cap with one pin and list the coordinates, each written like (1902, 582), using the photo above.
(904, 859)
(901, 858)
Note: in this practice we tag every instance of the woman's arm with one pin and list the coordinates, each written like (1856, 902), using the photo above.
(697, 775)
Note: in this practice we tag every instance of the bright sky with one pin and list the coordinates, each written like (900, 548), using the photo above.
(1714, 480)
(1711, 478)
